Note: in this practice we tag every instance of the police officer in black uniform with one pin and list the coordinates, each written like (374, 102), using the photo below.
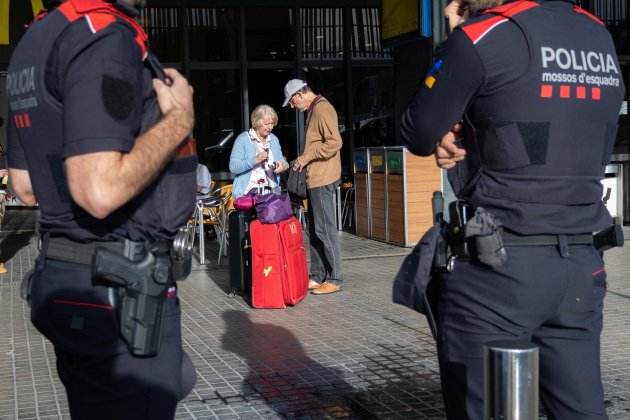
(538, 87)
(99, 138)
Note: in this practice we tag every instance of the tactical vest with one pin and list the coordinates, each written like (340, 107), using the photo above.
(37, 116)
(545, 137)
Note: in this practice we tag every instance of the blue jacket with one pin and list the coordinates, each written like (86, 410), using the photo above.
(243, 160)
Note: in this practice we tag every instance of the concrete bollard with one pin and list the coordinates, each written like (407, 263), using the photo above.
(510, 380)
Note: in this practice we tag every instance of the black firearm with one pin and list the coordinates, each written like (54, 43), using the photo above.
(144, 284)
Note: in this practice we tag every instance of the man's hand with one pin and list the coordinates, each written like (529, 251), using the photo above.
(456, 12)
(447, 153)
(176, 96)
(299, 163)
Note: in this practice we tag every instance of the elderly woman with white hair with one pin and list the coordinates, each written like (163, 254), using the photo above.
(256, 158)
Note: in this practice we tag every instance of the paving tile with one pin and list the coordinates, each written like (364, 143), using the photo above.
(352, 355)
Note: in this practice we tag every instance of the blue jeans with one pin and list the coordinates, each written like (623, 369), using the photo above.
(323, 235)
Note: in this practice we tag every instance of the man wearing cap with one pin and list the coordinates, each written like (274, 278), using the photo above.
(322, 161)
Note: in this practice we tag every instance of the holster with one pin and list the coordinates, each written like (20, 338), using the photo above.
(143, 275)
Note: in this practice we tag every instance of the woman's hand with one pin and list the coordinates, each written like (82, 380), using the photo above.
(262, 156)
(281, 166)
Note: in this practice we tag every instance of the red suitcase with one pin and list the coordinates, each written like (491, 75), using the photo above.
(279, 272)
(296, 271)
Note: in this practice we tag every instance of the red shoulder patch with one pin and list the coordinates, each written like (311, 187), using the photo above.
(99, 15)
(578, 9)
(477, 30)
(511, 9)
(99, 21)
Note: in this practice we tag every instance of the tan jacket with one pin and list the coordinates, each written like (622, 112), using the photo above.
(322, 145)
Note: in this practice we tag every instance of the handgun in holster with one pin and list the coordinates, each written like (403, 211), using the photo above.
(144, 278)
(608, 238)
(460, 213)
(440, 258)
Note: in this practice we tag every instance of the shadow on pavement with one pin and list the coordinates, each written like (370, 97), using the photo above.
(282, 375)
(392, 384)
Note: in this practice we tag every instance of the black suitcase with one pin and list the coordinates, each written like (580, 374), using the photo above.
(240, 252)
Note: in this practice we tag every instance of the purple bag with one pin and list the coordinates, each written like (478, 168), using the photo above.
(273, 207)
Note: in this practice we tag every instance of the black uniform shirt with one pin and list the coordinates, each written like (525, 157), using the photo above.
(540, 88)
(106, 95)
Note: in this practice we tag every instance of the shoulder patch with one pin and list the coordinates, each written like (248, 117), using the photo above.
(118, 97)
(99, 15)
(581, 11)
(496, 16)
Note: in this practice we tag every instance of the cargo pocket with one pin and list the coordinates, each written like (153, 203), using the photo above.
(87, 326)
(73, 314)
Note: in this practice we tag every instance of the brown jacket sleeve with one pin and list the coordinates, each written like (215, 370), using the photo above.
(323, 124)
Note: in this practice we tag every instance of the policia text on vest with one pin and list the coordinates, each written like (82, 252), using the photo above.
(540, 97)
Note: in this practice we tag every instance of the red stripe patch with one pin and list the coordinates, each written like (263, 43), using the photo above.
(188, 148)
(100, 21)
(600, 271)
(565, 91)
(596, 93)
(580, 92)
(27, 120)
(477, 30)
(100, 15)
(83, 304)
(67, 9)
(546, 91)
(578, 9)
(512, 9)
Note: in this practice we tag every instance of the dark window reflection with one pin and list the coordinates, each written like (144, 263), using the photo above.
(213, 33)
(162, 24)
(217, 109)
(322, 33)
(266, 87)
(373, 102)
(366, 34)
(270, 33)
(329, 82)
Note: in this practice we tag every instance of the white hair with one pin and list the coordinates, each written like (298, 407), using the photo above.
(260, 112)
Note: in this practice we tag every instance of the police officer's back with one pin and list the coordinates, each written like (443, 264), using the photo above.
(114, 175)
(539, 88)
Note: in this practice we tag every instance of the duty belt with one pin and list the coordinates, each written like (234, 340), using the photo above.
(64, 249)
(512, 239)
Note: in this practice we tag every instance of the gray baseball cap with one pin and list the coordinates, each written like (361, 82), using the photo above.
(291, 88)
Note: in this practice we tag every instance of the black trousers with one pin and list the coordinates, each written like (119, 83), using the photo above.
(554, 301)
(102, 379)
